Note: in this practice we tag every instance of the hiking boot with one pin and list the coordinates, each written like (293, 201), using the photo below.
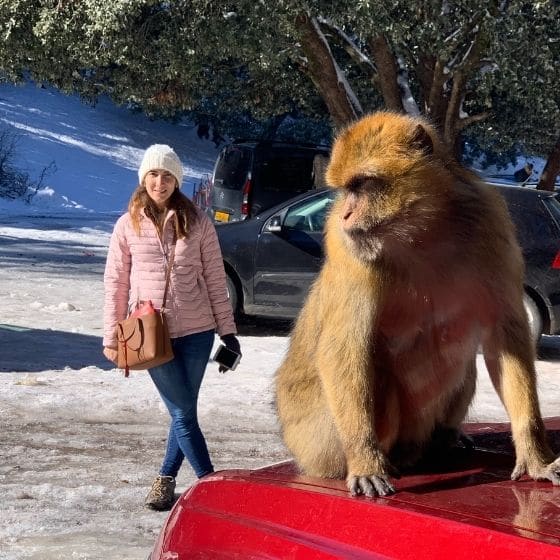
(162, 494)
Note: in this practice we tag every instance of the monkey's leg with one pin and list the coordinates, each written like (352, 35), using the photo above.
(348, 380)
(307, 426)
(509, 357)
(314, 443)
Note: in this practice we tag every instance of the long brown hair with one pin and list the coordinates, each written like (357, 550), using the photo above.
(185, 210)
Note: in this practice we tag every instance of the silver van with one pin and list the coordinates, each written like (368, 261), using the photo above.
(250, 176)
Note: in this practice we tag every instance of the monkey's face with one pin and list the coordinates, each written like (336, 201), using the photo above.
(392, 192)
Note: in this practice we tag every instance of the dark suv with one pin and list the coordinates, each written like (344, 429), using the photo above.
(536, 215)
(272, 259)
(250, 177)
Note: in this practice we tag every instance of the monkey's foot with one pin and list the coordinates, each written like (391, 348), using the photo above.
(371, 485)
(538, 472)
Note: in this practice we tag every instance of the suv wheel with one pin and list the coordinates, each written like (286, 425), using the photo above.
(534, 316)
(232, 294)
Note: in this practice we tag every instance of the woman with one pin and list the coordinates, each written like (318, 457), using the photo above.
(158, 216)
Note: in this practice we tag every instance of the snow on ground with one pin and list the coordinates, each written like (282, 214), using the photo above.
(79, 443)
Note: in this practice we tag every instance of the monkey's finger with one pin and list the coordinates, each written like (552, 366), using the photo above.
(518, 472)
(382, 485)
(554, 472)
(367, 487)
(354, 486)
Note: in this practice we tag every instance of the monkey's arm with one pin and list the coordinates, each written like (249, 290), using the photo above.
(510, 361)
(344, 361)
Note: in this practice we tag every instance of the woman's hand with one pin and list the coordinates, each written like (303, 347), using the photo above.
(111, 354)
(230, 341)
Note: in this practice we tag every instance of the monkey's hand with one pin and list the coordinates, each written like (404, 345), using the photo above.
(370, 485)
(376, 481)
(368, 474)
(538, 470)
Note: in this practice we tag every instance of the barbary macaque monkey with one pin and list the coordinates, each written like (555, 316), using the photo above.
(422, 266)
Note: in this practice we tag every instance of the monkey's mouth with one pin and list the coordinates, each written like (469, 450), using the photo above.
(394, 234)
(374, 228)
(368, 242)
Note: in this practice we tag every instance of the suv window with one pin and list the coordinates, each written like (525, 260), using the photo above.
(286, 170)
(232, 167)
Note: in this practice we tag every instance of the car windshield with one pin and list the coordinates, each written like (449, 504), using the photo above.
(310, 214)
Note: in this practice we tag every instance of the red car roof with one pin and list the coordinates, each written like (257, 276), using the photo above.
(467, 509)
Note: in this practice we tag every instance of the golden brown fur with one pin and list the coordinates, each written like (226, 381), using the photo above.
(422, 267)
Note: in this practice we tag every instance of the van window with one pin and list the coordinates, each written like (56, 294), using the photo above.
(232, 167)
(287, 170)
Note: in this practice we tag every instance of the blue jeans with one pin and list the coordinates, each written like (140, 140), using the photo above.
(178, 383)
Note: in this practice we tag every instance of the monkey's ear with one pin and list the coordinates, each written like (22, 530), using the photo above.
(421, 140)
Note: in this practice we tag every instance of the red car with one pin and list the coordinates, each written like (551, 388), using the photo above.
(466, 509)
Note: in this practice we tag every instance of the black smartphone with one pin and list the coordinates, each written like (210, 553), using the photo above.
(226, 357)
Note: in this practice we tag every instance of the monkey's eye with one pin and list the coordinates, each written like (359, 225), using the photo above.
(363, 183)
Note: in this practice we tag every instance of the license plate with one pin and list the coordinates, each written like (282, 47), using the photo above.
(221, 216)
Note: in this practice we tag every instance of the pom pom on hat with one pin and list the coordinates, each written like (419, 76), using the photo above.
(161, 156)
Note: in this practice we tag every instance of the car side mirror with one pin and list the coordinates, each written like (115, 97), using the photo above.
(274, 225)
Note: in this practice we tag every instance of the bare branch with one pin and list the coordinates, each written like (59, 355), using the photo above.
(349, 45)
(467, 121)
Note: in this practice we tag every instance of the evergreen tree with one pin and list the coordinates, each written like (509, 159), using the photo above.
(482, 71)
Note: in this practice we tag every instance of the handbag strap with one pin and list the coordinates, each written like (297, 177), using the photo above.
(125, 348)
(169, 267)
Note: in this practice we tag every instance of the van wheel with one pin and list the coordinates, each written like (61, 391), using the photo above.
(534, 316)
(232, 294)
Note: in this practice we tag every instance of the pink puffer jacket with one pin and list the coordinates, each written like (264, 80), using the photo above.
(135, 271)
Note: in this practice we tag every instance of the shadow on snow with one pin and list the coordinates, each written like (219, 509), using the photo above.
(35, 350)
(56, 255)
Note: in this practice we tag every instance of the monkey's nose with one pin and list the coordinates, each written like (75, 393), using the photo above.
(349, 207)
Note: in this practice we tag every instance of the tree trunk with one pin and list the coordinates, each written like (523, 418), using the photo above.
(551, 169)
(323, 72)
(387, 72)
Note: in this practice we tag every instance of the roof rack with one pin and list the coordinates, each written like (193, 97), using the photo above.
(279, 142)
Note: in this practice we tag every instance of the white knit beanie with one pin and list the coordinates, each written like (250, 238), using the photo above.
(161, 156)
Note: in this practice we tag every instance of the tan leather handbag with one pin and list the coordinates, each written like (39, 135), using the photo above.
(143, 337)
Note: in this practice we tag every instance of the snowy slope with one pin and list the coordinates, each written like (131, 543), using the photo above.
(96, 150)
